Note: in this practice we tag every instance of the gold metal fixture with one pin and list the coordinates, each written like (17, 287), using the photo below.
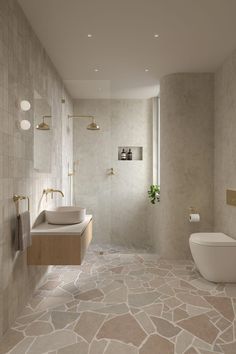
(231, 197)
(16, 198)
(92, 126)
(193, 210)
(51, 191)
(43, 125)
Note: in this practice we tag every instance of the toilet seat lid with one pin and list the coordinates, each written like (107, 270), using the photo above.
(217, 239)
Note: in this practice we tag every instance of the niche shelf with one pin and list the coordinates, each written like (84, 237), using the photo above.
(137, 152)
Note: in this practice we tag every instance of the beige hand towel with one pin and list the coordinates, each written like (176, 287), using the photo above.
(23, 234)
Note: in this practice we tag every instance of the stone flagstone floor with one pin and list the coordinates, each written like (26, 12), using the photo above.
(124, 302)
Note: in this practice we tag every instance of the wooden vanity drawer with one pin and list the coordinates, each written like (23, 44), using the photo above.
(59, 249)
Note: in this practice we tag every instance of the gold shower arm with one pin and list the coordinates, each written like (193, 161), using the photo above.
(77, 116)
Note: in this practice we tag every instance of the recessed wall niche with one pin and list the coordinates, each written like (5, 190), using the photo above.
(137, 153)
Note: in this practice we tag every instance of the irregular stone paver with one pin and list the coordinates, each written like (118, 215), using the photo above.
(165, 328)
(201, 327)
(193, 300)
(157, 345)
(117, 294)
(22, 346)
(116, 309)
(124, 328)
(61, 319)
(145, 322)
(50, 285)
(120, 348)
(229, 348)
(38, 328)
(142, 299)
(52, 341)
(90, 294)
(77, 348)
(11, 338)
(191, 351)
(97, 347)
(88, 325)
(223, 305)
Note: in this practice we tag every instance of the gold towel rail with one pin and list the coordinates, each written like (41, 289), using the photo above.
(17, 198)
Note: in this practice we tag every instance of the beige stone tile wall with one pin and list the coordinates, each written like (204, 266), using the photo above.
(225, 145)
(187, 150)
(119, 203)
(25, 67)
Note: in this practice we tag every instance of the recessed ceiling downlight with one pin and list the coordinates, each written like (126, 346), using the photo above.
(146, 70)
(90, 35)
(96, 70)
(156, 35)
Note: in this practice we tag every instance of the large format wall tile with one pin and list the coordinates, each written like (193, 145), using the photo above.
(187, 154)
(25, 67)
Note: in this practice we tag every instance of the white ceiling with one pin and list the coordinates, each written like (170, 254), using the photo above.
(195, 36)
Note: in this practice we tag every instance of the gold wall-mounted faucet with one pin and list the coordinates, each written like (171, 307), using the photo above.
(51, 191)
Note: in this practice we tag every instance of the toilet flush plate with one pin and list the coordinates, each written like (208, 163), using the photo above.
(231, 197)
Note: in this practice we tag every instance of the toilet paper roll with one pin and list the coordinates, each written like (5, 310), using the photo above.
(194, 218)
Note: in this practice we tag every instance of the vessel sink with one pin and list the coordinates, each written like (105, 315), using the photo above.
(66, 215)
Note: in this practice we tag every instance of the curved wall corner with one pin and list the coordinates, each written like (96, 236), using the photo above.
(187, 154)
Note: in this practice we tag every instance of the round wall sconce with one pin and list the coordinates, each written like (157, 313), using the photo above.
(25, 124)
(25, 105)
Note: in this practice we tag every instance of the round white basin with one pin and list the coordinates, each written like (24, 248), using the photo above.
(66, 215)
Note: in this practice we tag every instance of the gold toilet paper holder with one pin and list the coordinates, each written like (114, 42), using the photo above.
(193, 210)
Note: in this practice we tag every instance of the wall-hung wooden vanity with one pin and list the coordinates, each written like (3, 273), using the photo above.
(60, 244)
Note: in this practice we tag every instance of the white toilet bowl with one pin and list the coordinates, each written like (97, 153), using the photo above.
(215, 256)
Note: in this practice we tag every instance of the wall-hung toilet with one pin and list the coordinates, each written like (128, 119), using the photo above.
(215, 256)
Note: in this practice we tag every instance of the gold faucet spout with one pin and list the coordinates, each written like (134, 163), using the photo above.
(51, 190)
(58, 191)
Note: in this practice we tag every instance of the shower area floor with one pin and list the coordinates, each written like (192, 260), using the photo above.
(126, 302)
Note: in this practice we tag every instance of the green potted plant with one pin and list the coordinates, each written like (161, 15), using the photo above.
(154, 193)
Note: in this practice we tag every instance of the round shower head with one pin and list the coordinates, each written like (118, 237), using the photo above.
(43, 125)
(93, 126)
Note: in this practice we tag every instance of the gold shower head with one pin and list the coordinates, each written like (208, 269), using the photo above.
(93, 125)
(43, 125)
